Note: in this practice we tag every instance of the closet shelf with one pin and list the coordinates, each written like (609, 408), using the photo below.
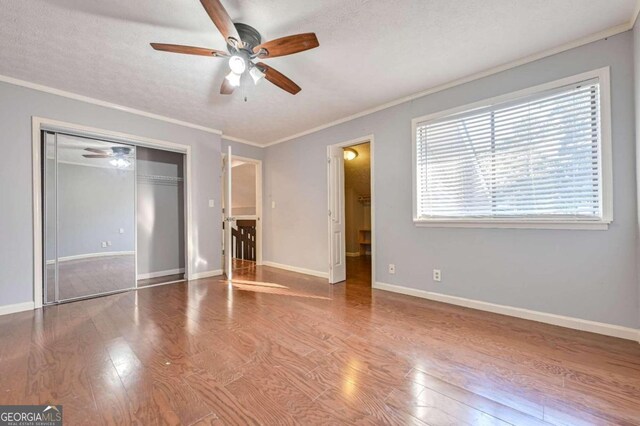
(159, 178)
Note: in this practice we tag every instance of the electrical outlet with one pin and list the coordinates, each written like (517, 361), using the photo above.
(109, 243)
(273, 204)
(104, 244)
(122, 230)
(392, 268)
(437, 275)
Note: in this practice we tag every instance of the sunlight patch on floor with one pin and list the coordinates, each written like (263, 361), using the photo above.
(270, 288)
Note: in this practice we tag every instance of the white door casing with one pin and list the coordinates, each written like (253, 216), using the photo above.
(228, 255)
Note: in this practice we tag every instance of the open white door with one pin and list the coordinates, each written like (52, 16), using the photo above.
(337, 255)
(228, 219)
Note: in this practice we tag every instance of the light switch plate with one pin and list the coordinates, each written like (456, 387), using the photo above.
(212, 203)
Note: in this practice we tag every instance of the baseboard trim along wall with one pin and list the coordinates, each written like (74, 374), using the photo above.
(91, 255)
(205, 274)
(157, 274)
(296, 269)
(559, 320)
(18, 307)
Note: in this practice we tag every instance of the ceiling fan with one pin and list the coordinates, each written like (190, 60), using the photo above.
(120, 155)
(244, 45)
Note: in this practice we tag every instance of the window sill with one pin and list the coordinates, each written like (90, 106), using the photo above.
(510, 224)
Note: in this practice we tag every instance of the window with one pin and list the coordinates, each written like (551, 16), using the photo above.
(535, 158)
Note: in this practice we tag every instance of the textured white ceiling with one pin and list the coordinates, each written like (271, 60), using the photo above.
(371, 52)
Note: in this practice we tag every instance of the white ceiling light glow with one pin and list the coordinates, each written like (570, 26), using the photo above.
(350, 154)
(237, 64)
(233, 78)
(120, 163)
(256, 75)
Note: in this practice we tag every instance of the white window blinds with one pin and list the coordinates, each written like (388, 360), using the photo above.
(536, 157)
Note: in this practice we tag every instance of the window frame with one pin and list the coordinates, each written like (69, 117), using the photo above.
(606, 172)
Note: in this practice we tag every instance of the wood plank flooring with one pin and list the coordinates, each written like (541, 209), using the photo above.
(278, 347)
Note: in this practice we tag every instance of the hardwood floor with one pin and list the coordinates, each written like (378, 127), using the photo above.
(277, 347)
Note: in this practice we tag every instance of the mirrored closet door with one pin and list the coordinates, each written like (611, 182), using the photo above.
(90, 217)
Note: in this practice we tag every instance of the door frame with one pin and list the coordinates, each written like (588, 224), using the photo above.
(38, 124)
(346, 144)
(258, 216)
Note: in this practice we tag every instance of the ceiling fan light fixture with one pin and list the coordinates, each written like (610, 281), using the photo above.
(233, 79)
(237, 64)
(120, 163)
(256, 74)
(350, 154)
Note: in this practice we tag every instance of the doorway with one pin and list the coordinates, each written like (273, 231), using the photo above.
(351, 222)
(357, 206)
(242, 192)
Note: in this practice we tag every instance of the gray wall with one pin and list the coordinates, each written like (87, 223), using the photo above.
(584, 274)
(243, 150)
(17, 106)
(160, 212)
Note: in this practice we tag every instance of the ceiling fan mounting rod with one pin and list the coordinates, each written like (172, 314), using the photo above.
(249, 36)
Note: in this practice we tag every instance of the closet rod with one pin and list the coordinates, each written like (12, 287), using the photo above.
(161, 178)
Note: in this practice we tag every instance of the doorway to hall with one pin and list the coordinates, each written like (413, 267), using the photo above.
(244, 215)
(351, 215)
(357, 203)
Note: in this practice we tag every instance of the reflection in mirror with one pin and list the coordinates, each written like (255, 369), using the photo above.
(94, 182)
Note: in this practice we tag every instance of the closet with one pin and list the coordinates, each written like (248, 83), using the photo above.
(113, 216)
(160, 206)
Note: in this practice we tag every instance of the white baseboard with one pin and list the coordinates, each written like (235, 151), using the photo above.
(553, 319)
(205, 274)
(157, 274)
(352, 254)
(91, 255)
(296, 269)
(18, 307)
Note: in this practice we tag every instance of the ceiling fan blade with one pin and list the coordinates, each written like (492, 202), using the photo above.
(188, 50)
(221, 20)
(279, 79)
(96, 156)
(287, 45)
(97, 151)
(226, 88)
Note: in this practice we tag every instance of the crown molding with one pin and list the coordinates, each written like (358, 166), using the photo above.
(636, 12)
(562, 48)
(491, 71)
(239, 140)
(99, 102)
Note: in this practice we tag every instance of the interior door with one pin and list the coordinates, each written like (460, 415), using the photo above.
(337, 256)
(228, 219)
